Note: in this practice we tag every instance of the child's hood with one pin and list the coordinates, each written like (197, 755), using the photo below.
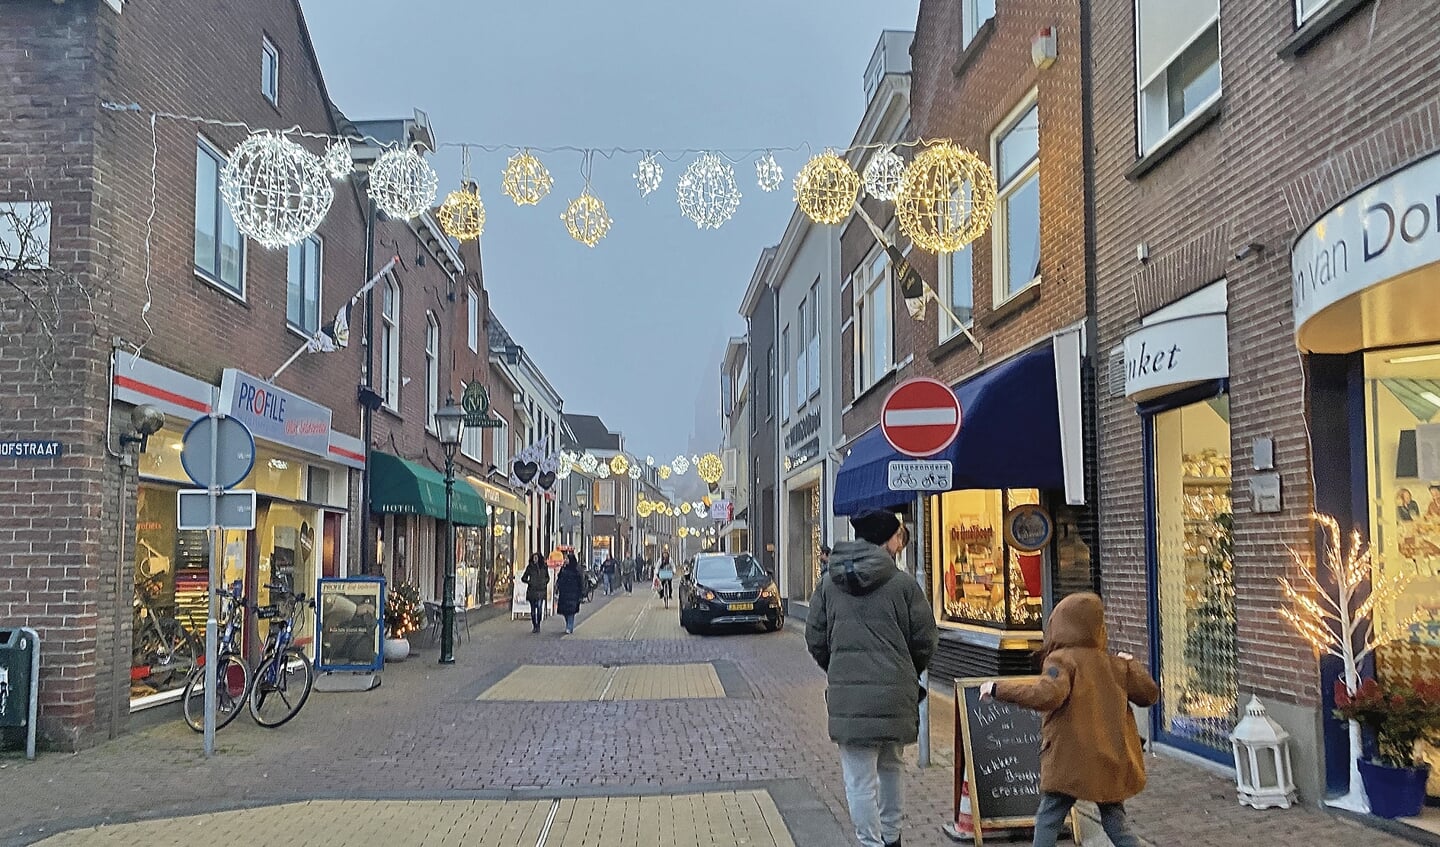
(1077, 621)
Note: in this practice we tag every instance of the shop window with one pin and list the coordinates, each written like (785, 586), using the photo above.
(1178, 48)
(973, 15)
(1194, 578)
(1017, 218)
(983, 580)
(390, 343)
(957, 282)
(302, 289)
(288, 556)
(219, 246)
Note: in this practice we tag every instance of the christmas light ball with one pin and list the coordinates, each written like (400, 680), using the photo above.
(946, 198)
(337, 160)
(603, 471)
(768, 173)
(403, 184)
(826, 188)
(682, 531)
(619, 465)
(680, 465)
(701, 512)
(277, 192)
(563, 472)
(685, 508)
(710, 468)
(462, 215)
(650, 460)
(526, 180)
(707, 192)
(588, 463)
(664, 471)
(883, 175)
(635, 472)
(586, 219)
(694, 459)
(648, 174)
(642, 509)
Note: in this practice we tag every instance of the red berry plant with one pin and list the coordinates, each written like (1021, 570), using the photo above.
(1399, 714)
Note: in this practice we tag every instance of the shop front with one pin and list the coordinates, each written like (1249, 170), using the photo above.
(496, 564)
(998, 545)
(408, 500)
(802, 519)
(1367, 319)
(1177, 374)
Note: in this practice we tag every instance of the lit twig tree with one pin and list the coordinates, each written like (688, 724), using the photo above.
(1340, 622)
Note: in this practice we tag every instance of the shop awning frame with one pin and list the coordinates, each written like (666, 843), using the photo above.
(496, 496)
(401, 487)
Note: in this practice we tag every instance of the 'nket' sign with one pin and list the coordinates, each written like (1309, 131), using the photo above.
(1383, 232)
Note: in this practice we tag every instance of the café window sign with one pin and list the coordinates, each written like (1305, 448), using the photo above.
(1171, 355)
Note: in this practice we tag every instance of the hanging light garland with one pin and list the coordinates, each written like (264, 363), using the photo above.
(635, 473)
(680, 465)
(619, 465)
(826, 188)
(946, 198)
(603, 471)
(277, 191)
(685, 508)
(586, 218)
(707, 192)
(403, 184)
(337, 160)
(664, 471)
(883, 174)
(462, 215)
(526, 180)
(768, 173)
(710, 468)
(588, 463)
(648, 174)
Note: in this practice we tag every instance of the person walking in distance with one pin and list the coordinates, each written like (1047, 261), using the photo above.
(607, 573)
(872, 632)
(536, 579)
(569, 588)
(665, 572)
(1090, 748)
(627, 572)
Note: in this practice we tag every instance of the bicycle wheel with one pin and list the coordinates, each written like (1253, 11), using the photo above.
(280, 687)
(232, 683)
(171, 652)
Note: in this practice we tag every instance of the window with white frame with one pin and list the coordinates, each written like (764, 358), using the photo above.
(812, 347)
(786, 391)
(1016, 153)
(269, 70)
(1307, 9)
(472, 328)
(390, 343)
(500, 446)
(872, 321)
(302, 287)
(770, 369)
(802, 355)
(219, 246)
(604, 496)
(957, 286)
(1178, 61)
(973, 15)
(432, 370)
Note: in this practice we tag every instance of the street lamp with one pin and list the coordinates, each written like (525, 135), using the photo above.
(449, 422)
(581, 500)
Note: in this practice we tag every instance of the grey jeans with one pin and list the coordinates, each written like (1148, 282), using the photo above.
(1055, 807)
(873, 791)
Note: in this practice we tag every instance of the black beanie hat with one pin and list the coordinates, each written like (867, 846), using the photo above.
(876, 527)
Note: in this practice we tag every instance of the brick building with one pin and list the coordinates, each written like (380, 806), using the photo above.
(1266, 258)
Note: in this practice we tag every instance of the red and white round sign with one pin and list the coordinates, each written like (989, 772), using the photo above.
(920, 417)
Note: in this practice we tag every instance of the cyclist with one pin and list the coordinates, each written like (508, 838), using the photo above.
(665, 572)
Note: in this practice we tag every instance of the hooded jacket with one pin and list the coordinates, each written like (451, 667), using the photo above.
(1090, 748)
(871, 631)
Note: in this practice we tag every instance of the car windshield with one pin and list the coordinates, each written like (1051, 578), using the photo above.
(721, 568)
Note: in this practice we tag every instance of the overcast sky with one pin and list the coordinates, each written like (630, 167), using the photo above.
(633, 329)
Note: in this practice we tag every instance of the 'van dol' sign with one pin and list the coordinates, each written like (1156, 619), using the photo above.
(274, 414)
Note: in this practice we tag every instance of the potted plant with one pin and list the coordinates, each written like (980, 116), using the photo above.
(1399, 715)
(404, 614)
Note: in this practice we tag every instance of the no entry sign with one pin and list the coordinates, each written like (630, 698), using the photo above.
(920, 417)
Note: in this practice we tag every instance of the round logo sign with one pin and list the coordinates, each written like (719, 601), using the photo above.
(1028, 528)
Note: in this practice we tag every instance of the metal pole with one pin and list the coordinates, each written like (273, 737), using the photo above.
(924, 755)
(367, 415)
(447, 603)
(212, 601)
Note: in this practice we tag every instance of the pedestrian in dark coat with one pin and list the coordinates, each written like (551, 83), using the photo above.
(569, 588)
(1091, 747)
(537, 580)
(872, 632)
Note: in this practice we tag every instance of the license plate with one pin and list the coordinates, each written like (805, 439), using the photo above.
(741, 607)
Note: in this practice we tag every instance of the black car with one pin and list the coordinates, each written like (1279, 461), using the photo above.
(729, 588)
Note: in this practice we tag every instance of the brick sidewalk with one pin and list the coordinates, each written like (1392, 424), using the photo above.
(424, 735)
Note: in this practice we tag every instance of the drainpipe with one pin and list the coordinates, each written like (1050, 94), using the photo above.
(119, 664)
(1088, 369)
(367, 414)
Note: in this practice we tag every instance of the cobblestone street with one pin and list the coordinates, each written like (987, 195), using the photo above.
(628, 732)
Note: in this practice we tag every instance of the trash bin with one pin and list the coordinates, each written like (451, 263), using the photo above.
(19, 684)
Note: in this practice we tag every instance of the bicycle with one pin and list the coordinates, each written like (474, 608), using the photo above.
(162, 644)
(232, 674)
(284, 675)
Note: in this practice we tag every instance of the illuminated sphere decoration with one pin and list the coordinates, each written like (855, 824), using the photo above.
(462, 215)
(827, 188)
(588, 463)
(768, 173)
(337, 161)
(403, 184)
(710, 468)
(648, 174)
(563, 472)
(694, 458)
(664, 471)
(277, 191)
(619, 465)
(707, 192)
(701, 512)
(883, 175)
(642, 508)
(635, 472)
(603, 471)
(685, 507)
(650, 460)
(586, 219)
(680, 465)
(526, 180)
(946, 198)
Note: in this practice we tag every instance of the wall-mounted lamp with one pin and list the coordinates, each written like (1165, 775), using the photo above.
(1254, 248)
(145, 421)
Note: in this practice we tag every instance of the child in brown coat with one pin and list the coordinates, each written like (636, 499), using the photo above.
(1090, 748)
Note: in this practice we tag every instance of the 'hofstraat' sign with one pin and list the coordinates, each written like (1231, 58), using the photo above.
(274, 414)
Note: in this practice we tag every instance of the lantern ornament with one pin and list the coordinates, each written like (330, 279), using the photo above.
(462, 215)
(946, 198)
(586, 219)
(707, 192)
(588, 463)
(680, 465)
(635, 473)
(768, 173)
(526, 180)
(826, 188)
(642, 508)
(602, 471)
(337, 160)
(1263, 776)
(403, 184)
(619, 465)
(648, 174)
(710, 468)
(277, 191)
(683, 531)
(664, 471)
(685, 507)
(883, 174)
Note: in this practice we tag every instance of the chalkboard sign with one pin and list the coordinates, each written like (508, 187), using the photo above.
(1000, 754)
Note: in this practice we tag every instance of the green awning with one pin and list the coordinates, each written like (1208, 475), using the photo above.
(400, 487)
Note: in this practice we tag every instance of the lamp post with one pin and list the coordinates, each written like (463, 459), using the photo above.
(581, 500)
(449, 421)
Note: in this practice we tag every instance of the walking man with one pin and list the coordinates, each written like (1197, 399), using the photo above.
(607, 571)
(872, 632)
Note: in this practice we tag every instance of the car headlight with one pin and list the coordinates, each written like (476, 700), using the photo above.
(707, 594)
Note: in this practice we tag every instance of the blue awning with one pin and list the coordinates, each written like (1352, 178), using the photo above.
(1009, 438)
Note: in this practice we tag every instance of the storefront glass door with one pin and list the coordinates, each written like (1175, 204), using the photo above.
(1192, 581)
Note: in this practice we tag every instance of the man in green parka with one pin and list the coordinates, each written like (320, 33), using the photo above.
(872, 632)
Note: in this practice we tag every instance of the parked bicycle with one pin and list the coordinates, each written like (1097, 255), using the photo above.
(284, 678)
(162, 644)
(232, 674)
